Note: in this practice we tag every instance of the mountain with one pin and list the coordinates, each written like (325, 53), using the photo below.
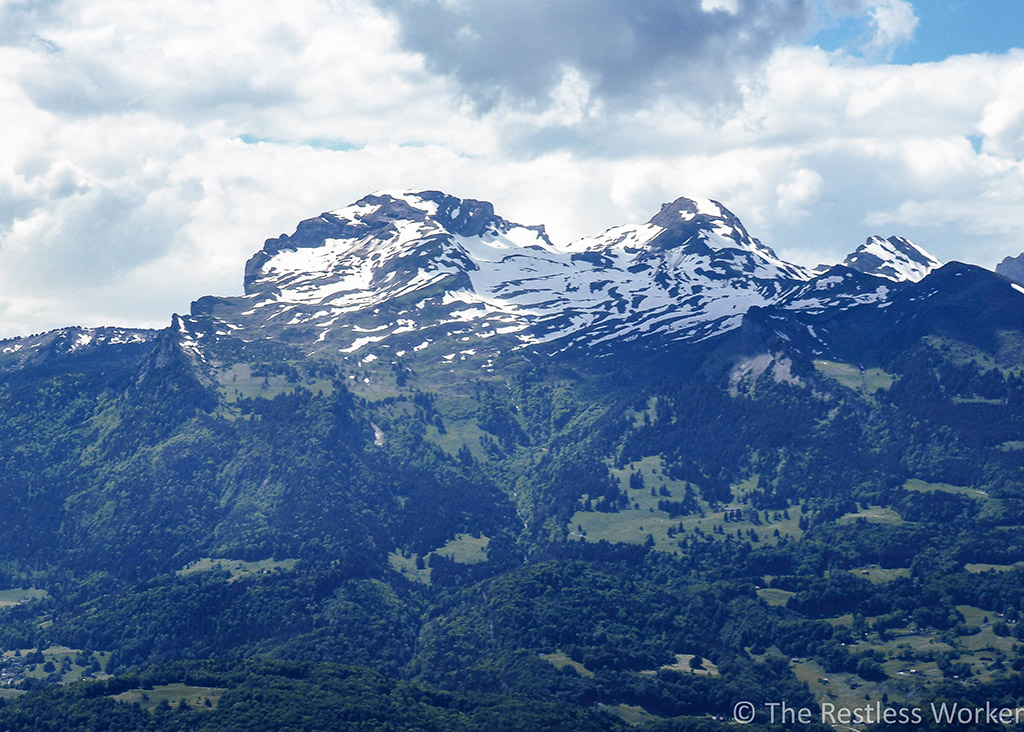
(435, 471)
(405, 270)
(895, 258)
(398, 273)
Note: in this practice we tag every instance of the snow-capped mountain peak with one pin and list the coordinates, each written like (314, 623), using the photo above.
(895, 258)
(692, 234)
(403, 270)
(687, 219)
(383, 246)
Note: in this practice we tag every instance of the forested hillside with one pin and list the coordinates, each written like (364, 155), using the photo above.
(642, 538)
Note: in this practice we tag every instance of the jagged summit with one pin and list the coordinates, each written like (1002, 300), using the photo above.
(371, 242)
(410, 270)
(397, 263)
(895, 258)
(688, 222)
(691, 234)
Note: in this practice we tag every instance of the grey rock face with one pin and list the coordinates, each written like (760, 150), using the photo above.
(1012, 268)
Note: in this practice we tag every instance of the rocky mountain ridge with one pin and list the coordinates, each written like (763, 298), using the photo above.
(422, 273)
(407, 270)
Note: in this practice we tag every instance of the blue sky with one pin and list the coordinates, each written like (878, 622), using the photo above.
(953, 28)
(943, 29)
(150, 148)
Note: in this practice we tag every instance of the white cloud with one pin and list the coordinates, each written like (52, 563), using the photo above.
(1002, 122)
(894, 23)
(710, 6)
(800, 189)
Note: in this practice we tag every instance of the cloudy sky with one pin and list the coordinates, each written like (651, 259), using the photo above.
(149, 148)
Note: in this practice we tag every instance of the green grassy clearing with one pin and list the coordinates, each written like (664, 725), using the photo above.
(910, 654)
(237, 568)
(627, 527)
(458, 433)
(69, 664)
(975, 400)
(406, 566)
(653, 471)
(918, 672)
(920, 644)
(984, 652)
(174, 695)
(961, 353)
(975, 616)
(1011, 346)
(909, 660)
(466, 549)
(874, 515)
(631, 715)
(881, 575)
(845, 619)
(864, 381)
(849, 690)
(979, 568)
(923, 487)
(642, 518)
(238, 381)
(559, 660)
(843, 689)
(16, 596)
(774, 596)
(644, 416)
(682, 665)
(374, 385)
(633, 526)
(377, 379)
(741, 490)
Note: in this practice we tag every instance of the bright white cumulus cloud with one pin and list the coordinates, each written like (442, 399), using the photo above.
(894, 22)
(150, 148)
